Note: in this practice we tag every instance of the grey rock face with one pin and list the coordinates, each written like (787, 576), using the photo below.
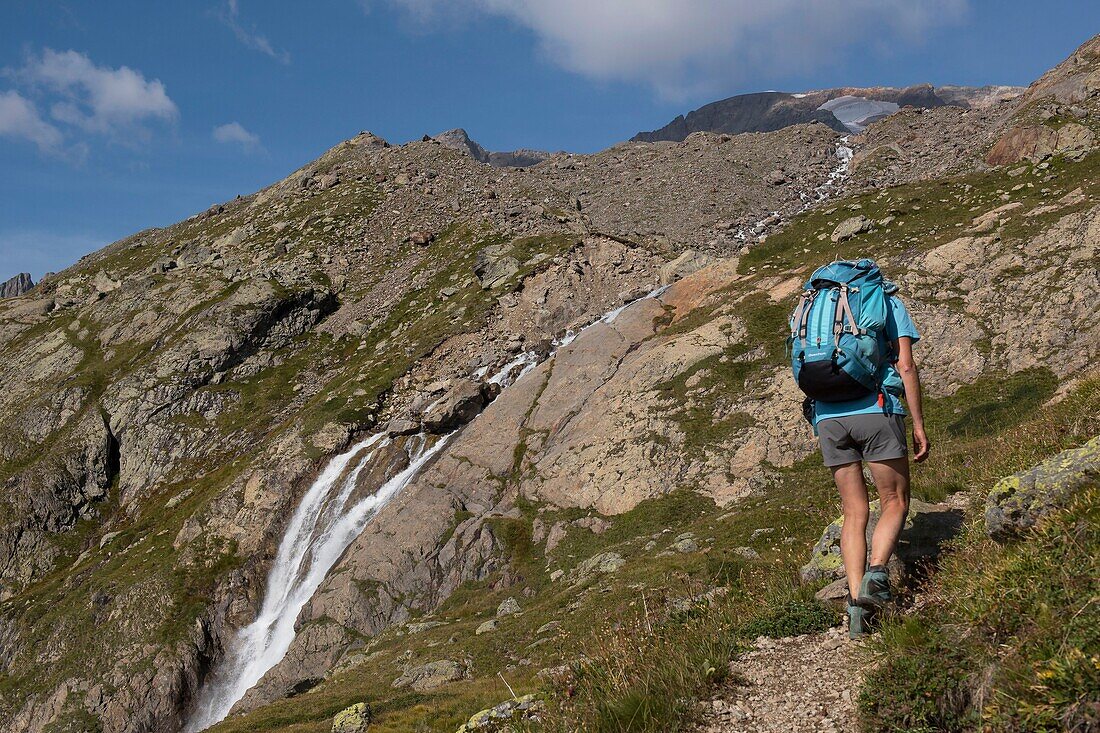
(458, 139)
(1019, 501)
(16, 285)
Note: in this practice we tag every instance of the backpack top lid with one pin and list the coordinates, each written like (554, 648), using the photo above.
(845, 272)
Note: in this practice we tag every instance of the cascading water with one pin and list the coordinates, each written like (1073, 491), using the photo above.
(321, 529)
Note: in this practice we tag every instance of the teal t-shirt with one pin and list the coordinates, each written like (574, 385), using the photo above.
(898, 323)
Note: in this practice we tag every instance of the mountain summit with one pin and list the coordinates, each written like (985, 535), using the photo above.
(845, 109)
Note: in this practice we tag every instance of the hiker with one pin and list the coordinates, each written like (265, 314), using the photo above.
(852, 354)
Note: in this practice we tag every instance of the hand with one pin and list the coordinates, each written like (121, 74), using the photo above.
(921, 444)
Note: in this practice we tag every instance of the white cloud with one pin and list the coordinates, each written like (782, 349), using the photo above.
(235, 133)
(19, 118)
(230, 16)
(97, 99)
(685, 47)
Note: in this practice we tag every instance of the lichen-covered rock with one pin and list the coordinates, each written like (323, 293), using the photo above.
(1018, 501)
(431, 675)
(926, 528)
(601, 564)
(497, 717)
(354, 719)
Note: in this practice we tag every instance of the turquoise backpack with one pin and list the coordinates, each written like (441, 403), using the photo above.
(838, 345)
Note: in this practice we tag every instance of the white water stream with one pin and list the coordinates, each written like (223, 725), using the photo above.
(322, 527)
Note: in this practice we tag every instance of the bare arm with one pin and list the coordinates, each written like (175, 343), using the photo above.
(910, 377)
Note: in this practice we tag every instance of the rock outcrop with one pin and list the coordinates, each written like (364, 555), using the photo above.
(16, 285)
(1017, 502)
(458, 139)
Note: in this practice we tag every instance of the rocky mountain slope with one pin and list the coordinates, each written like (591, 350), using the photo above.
(175, 395)
(846, 109)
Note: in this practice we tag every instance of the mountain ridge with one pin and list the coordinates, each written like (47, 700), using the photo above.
(768, 111)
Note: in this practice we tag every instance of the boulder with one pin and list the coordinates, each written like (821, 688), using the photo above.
(508, 607)
(429, 676)
(601, 564)
(926, 529)
(497, 717)
(354, 719)
(687, 263)
(851, 227)
(462, 402)
(1018, 501)
(421, 238)
(775, 178)
(486, 627)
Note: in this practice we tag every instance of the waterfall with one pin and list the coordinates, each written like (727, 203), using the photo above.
(321, 529)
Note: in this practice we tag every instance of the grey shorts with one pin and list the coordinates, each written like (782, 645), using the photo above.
(872, 437)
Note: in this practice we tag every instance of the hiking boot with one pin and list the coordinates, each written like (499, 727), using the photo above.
(859, 619)
(874, 591)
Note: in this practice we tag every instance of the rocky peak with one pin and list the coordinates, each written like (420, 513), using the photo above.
(16, 286)
(459, 139)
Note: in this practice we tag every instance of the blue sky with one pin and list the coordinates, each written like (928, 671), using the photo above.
(120, 115)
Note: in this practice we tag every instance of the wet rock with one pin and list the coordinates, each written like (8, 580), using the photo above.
(402, 426)
(354, 719)
(1019, 501)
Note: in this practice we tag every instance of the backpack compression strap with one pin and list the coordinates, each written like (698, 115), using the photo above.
(844, 310)
(800, 320)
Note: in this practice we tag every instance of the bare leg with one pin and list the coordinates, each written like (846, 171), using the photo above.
(853, 536)
(892, 481)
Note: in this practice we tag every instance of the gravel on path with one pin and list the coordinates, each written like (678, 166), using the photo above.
(802, 683)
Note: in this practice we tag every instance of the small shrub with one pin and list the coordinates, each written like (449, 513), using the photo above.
(791, 618)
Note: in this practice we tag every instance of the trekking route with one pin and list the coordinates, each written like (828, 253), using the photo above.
(800, 684)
